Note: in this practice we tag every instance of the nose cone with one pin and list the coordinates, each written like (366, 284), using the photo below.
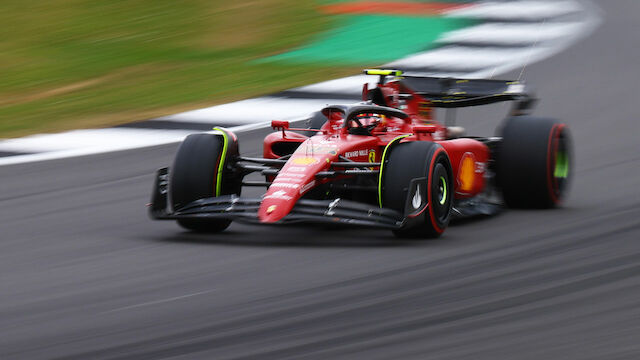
(297, 177)
(294, 180)
(274, 209)
(279, 199)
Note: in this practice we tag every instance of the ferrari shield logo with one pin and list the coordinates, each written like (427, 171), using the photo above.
(372, 156)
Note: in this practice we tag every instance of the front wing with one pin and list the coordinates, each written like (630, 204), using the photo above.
(336, 211)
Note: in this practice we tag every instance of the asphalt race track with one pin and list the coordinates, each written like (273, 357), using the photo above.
(84, 274)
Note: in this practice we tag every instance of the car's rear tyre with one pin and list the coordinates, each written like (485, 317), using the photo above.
(417, 180)
(533, 168)
(195, 174)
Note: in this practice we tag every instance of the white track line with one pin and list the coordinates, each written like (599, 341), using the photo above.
(529, 10)
(255, 110)
(511, 34)
(541, 49)
(105, 143)
(161, 301)
(347, 85)
(105, 139)
(464, 59)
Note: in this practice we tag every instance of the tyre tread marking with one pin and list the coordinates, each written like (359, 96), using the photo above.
(225, 144)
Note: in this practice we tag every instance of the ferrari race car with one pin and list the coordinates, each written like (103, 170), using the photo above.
(384, 162)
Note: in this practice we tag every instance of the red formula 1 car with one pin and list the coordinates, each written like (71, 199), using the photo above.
(384, 162)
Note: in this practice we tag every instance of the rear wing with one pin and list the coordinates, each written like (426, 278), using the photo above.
(455, 92)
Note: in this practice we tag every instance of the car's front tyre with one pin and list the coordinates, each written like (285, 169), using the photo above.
(202, 169)
(417, 180)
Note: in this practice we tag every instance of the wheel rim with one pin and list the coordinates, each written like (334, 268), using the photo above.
(440, 198)
(561, 165)
(442, 191)
(561, 170)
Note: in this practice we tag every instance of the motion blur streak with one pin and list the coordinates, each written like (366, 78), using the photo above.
(77, 244)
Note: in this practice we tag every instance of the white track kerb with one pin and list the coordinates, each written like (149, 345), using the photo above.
(510, 35)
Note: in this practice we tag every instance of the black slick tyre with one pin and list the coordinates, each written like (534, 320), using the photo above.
(417, 180)
(195, 174)
(533, 166)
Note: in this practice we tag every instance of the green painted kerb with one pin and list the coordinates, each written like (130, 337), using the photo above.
(562, 165)
(373, 39)
(225, 144)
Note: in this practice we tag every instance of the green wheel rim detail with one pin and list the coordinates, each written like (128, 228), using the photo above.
(562, 165)
(225, 144)
(443, 184)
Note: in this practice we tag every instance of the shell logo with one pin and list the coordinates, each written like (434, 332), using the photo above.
(466, 172)
(304, 160)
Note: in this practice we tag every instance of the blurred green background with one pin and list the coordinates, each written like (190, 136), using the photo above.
(83, 63)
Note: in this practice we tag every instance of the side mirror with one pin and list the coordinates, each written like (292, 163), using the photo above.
(424, 129)
(280, 125)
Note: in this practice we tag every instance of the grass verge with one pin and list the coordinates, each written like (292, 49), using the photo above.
(80, 63)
